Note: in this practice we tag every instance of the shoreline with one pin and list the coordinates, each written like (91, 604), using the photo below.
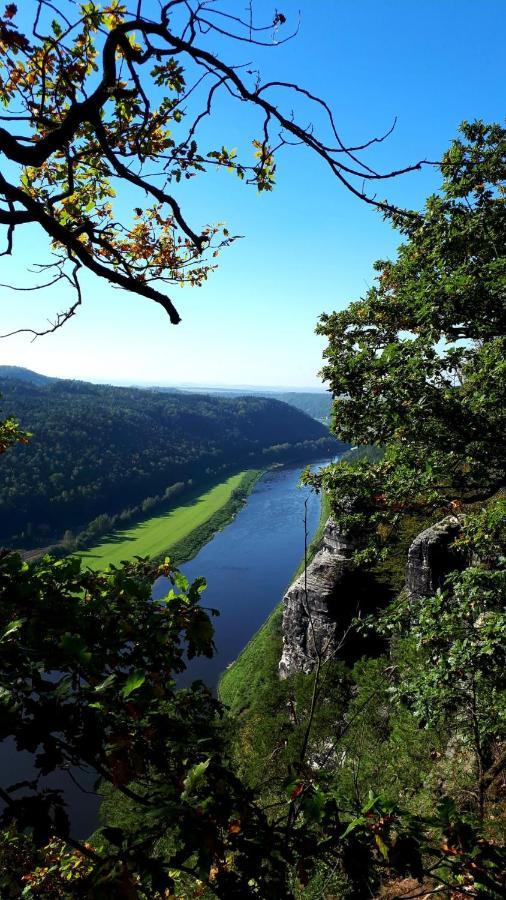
(255, 663)
(188, 546)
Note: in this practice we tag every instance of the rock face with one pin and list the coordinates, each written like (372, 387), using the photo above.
(316, 614)
(310, 625)
(431, 557)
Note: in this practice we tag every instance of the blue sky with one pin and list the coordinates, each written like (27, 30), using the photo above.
(308, 246)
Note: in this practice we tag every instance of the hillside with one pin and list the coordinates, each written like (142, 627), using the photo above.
(19, 373)
(98, 449)
(316, 404)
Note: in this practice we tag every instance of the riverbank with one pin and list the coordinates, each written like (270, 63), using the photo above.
(180, 532)
(257, 665)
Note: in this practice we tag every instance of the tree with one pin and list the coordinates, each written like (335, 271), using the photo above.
(418, 366)
(108, 99)
(455, 675)
(11, 434)
(88, 662)
(87, 685)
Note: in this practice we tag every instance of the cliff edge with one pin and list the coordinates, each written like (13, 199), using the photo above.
(317, 608)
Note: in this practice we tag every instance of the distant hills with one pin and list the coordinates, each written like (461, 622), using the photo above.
(100, 450)
(315, 403)
(20, 374)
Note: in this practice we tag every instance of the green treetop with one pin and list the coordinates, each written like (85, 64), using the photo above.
(417, 366)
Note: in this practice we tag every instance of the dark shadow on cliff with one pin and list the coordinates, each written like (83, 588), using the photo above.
(358, 595)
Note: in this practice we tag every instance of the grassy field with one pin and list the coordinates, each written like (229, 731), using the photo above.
(180, 531)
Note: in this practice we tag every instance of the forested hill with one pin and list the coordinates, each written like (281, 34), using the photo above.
(98, 449)
(316, 404)
(19, 373)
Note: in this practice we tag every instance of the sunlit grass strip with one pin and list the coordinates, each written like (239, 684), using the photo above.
(180, 532)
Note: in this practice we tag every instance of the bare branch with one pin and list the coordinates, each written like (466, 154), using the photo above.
(87, 114)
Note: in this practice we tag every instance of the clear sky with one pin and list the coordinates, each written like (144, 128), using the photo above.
(308, 246)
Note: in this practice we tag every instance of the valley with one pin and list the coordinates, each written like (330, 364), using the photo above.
(101, 458)
(178, 532)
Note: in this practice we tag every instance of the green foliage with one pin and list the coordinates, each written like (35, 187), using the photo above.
(355, 454)
(256, 667)
(418, 366)
(369, 769)
(11, 434)
(87, 678)
(454, 673)
(53, 871)
(87, 675)
(97, 448)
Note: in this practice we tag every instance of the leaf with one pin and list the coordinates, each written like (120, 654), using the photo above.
(297, 790)
(180, 580)
(372, 802)
(5, 694)
(312, 806)
(134, 681)
(74, 645)
(64, 687)
(12, 627)
(195, 777)
(353, 825)
(106, 683)
(382, 847)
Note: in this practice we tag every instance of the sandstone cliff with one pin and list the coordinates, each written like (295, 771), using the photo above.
(431, 557)
(310, 607)
(316, 611)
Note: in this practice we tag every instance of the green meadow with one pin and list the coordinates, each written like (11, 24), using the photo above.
(180, 531)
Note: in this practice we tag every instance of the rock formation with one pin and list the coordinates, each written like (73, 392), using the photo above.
(310, 625)
(316, 611)
(431, 557)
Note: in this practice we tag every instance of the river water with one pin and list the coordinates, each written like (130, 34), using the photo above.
(248, 566)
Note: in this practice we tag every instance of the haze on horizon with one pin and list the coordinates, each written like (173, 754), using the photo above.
(309, 246)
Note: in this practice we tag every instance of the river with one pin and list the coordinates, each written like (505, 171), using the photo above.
(248, 565)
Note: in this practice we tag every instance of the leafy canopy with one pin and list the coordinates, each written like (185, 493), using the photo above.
(418, 366)
(11, 434)
(87, 683)
(87, 686)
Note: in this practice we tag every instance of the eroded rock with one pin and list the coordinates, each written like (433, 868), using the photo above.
(317, 609)
(310, 620)
(431, 557)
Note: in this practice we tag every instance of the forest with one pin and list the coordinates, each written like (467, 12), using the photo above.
(356, 749)
(103, 451)
(378, 769)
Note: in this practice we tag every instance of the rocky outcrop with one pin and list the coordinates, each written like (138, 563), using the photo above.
(310, 607)
(318, 608)
(431, 557)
